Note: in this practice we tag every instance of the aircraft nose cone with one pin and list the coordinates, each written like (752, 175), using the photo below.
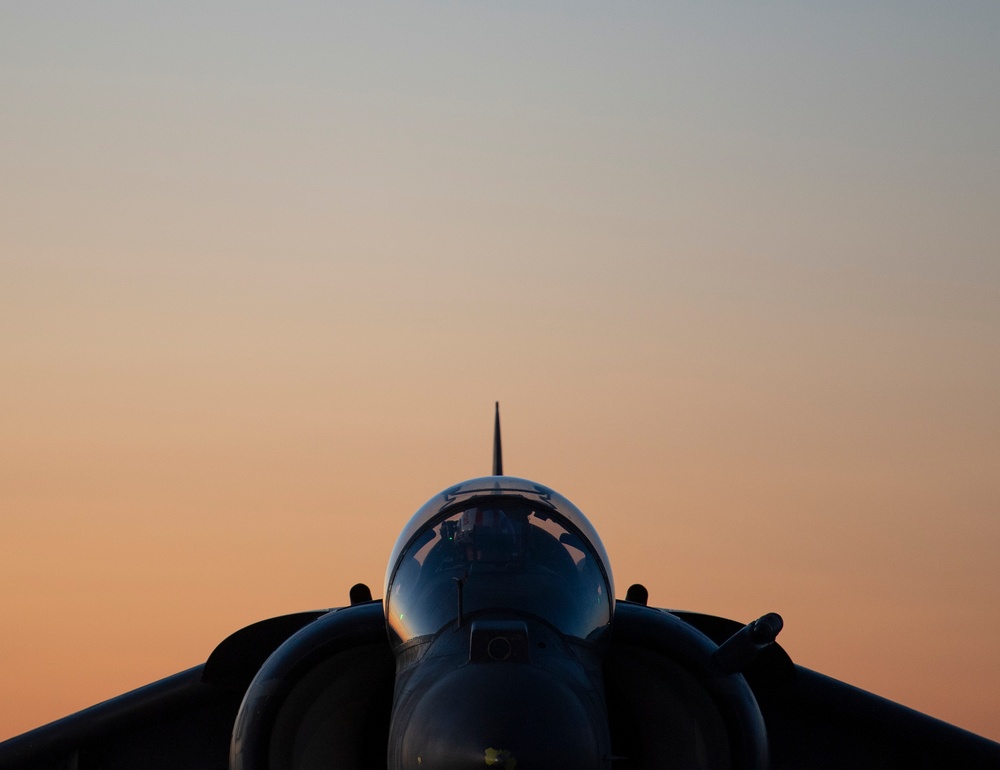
(503, 716)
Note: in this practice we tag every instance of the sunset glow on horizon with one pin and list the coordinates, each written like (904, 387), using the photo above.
(733, 275)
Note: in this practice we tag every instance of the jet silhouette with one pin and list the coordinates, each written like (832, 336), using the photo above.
(499, 644)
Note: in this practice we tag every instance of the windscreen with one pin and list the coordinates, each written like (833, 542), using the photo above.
(500, 554)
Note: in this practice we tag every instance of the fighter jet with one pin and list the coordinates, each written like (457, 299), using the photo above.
(499, 643)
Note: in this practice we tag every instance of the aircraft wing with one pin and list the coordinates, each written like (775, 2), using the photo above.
(176, 722)
(815, 721)
(819, 722)
(316, 690)
(182, 721)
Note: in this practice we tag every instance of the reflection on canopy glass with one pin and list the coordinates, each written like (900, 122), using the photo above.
(501, 554)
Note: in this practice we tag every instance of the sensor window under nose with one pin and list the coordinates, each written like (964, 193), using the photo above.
(498, 641)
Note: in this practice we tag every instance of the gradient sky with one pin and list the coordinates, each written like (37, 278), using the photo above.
(732, 271)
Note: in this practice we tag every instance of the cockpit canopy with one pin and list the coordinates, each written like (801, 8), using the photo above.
(505, 544)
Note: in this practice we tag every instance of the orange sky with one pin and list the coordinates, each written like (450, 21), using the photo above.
(733, 277)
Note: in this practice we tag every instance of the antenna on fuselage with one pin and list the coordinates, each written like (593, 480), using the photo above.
(497, 450)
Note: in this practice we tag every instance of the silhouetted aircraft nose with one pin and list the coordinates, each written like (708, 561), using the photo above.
(505, 716)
